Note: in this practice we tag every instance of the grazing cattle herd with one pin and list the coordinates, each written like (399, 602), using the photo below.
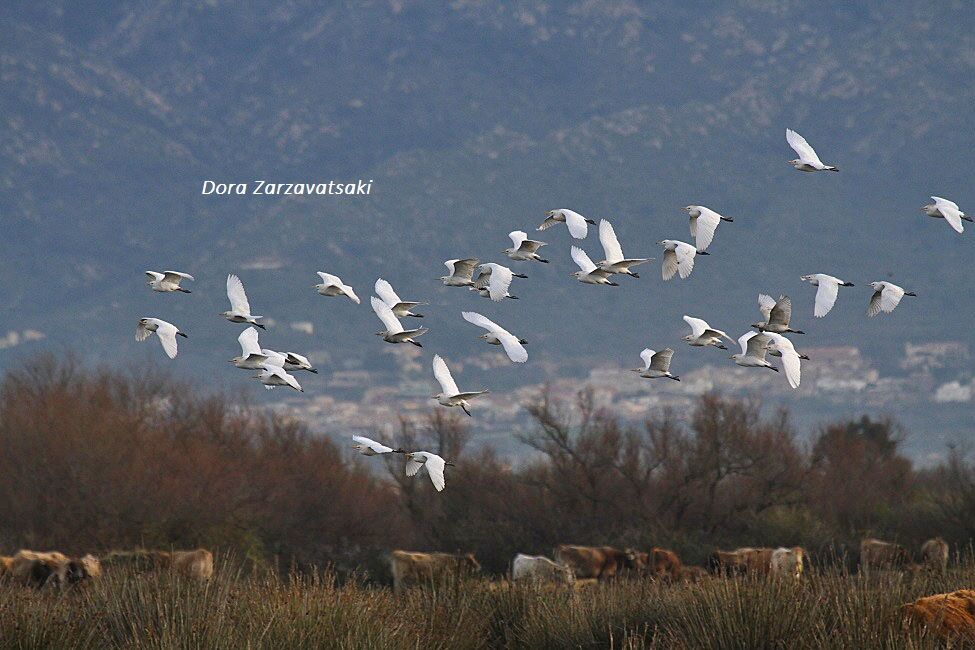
(55, 569)
(579, 565)
(572, 565)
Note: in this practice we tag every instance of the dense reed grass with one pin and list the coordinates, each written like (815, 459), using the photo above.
(123, 610)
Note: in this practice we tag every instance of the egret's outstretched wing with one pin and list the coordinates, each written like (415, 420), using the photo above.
(347, 290)
(435, 468)
(483, 279)
(698, 326)
(297, 359)
(782, 311)
(885, 299)
(155, 275)
(273, 358)
(647, 356)
(249, 343)
(790, 358)
(756, 345)
(465, 267)
(661, 360)
(167, 336)
(517, 237)
(707, 223)
(582, 260)
(386, 315)
(891, 297)
(238, 298)
(576, 223)
(442, 373)
(474, 318)
(825, 297)
(802, 148)
(512, 346)
(873, 308)
(765, 305)
(548, 223)
(669, 266)
(744, 339)
(385, 291)
(413, 466)
(142, 332)
(377, 447)
(611, 245)
(499, 281)
(176, 276)
(949, 210)
(281, 374)
(330, 279)
(685, 259)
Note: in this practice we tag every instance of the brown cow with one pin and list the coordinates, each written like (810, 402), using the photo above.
(742, 561)
(50, 568)
(878, 554)
(725, 563)
(197, 563)
(934, 554)
(599, 562)
(758, 561)
(411, 568)
(666, 565)
(693, 573)
(950, 616)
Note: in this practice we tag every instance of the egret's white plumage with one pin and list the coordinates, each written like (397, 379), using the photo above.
(947, 210)
(251, 356)
(790, 358)
(576, 223)
(807, 161)
(434, 464)
(776, 313)
(704, 221)
(656, 364)
(369, 447)
(167, 281)
(332, 285)
(461, 272)
(703, 334)
(494, 280)
(613, 260)
(754, 346)
(240, 309)
(886, 296)
(274, 376)
(394, 332)
(524, 249)
(826, 294)
(449, 394)
(514, 347)
(167, 333)
(401, 308)
(589, 273)
(678, 258)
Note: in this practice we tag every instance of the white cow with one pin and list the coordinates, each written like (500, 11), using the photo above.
(540, 570)
(788, 562)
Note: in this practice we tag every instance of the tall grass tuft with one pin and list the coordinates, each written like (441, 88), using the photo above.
(234, 610)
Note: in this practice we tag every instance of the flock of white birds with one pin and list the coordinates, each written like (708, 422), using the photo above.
(492, 280)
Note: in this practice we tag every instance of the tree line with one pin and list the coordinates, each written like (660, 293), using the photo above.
(93, 459)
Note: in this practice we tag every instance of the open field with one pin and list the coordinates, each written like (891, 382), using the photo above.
(123, 610)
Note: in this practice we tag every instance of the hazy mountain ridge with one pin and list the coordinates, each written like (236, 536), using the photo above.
(472, 123)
